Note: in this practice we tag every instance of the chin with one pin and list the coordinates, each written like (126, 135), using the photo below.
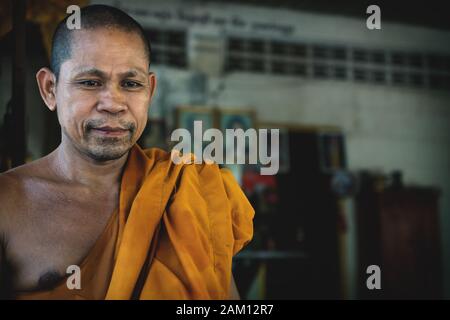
(106, 156)
(107, 152)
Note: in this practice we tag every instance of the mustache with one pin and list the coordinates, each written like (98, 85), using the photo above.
(97, 123)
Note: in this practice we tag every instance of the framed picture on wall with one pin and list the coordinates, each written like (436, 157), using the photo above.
(282, 145)
(186, 115)
(332, 151)
(236, 119)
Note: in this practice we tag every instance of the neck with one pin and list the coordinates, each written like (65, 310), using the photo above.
(78, 168)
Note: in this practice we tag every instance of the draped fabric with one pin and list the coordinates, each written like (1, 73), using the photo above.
(178, 227)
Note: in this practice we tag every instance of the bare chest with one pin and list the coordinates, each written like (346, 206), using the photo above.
(52, 231)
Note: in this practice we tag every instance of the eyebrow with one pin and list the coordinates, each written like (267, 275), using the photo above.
(133, 73)
(90, 72)
(101, 74)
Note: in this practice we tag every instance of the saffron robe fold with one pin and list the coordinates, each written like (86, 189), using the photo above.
(178, 228)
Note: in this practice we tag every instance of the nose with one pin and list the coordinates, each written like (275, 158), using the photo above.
(111, 100)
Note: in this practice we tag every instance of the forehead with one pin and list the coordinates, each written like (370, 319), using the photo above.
(110, 50)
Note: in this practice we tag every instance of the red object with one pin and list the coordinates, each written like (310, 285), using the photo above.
(251, 179)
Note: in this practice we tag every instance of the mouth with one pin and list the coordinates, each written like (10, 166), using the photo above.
(110, 131)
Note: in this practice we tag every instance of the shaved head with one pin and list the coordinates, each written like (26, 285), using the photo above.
(93, 17)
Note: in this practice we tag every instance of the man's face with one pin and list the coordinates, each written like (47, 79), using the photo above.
(103, 92)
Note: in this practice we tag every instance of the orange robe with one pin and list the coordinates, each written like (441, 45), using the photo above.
(176, 231)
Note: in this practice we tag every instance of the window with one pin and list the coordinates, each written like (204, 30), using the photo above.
(256, 65)
(416, 79)
(298, 50)
(360, 74)
(320, 71)
(299, 69)
(398, 59)
(339, 53)
(330, 61)
(378, 57)
(378, 76)
(319, 52)
(168, 47)
(279, 48)
(360, 55)
(279, 67)
(399, 78)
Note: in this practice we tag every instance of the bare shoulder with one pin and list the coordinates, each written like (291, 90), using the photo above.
(12, 191)
(12, 201)
(8, 187)
(10, 182)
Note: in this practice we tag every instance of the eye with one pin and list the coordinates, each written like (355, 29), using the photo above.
(131, 84)
(90, 83)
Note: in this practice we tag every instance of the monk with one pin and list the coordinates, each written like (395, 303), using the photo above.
(134, 223)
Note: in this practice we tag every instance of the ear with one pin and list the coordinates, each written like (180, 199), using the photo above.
(152, 82)
(47, 87)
